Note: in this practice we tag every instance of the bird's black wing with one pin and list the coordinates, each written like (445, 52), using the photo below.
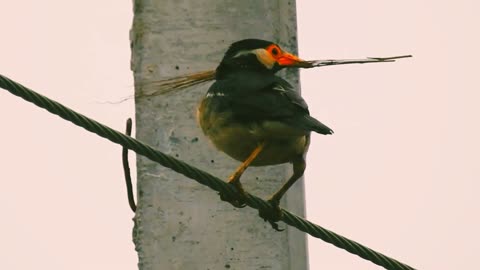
(304, 120)
(269, 99)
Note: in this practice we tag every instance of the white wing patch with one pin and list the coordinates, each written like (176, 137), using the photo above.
(215, 94)
(279, 88)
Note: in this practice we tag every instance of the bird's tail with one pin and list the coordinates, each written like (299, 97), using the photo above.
(317, 126)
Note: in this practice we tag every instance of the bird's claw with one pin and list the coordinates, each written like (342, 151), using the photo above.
(239, 199)
(272, 216)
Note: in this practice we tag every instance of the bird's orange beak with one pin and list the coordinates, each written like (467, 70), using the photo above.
(290, 60)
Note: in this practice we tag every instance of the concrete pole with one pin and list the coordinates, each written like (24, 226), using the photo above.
(179, 223)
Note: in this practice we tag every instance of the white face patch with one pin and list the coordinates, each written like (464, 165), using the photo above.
(265, 58)
(242, 53)
(262, 55)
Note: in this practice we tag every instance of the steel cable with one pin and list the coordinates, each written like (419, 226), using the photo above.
(196, 174)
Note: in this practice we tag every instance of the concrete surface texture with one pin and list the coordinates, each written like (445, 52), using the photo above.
(180, 224)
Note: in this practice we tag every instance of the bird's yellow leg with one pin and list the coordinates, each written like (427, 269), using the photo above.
(298, 169)
(234, 179)
(273, 216)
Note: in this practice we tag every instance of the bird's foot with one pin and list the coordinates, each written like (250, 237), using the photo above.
(272, 216)
(239, 199)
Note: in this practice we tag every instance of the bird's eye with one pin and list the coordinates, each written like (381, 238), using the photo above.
(274, 51)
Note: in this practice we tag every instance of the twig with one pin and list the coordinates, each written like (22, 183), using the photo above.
(333, 62)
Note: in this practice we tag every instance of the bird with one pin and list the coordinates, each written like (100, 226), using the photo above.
(256, 117)
(253, 115)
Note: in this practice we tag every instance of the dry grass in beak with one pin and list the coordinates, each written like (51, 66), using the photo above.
(332, 62)
(156, 88)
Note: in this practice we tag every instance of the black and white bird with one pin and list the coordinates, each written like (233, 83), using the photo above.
(256, 117)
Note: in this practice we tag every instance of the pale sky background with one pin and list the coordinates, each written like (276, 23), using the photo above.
(400, 175)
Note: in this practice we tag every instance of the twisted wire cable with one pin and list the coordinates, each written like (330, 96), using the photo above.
(197, 175)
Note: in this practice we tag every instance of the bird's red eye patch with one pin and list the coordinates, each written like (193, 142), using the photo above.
(274, 50)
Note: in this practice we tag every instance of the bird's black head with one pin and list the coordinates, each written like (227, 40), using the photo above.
(257, 55)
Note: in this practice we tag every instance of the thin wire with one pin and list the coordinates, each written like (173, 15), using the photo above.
(197, 175)
(126, 169)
